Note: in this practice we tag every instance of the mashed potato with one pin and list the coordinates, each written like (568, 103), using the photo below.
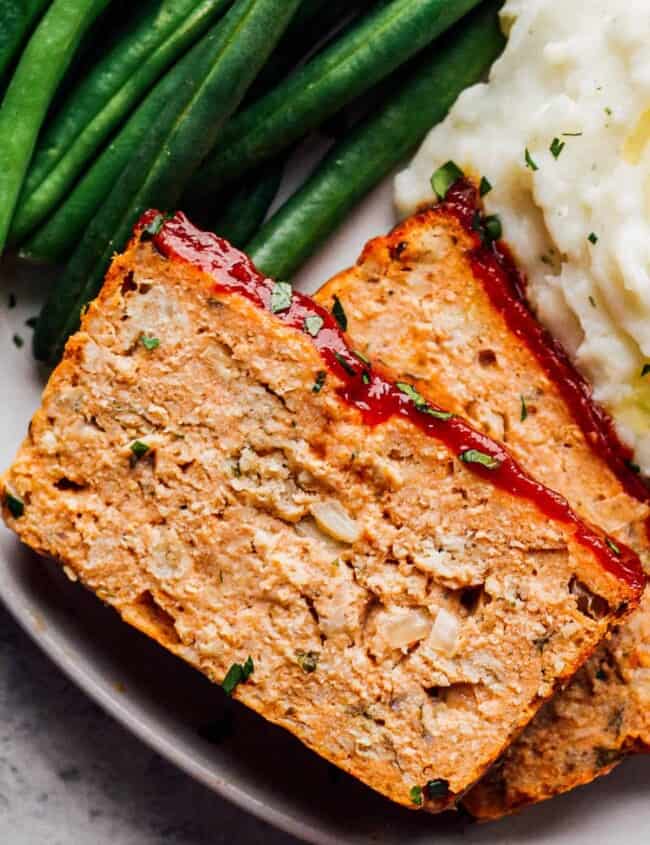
(562, 132)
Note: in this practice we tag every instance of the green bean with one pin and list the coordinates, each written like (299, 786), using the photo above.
(377, 145)
(17, 20)
(102, 100)
(382, 41)
(216, 74)
(40, 69)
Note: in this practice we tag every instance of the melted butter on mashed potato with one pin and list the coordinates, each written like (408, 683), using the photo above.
(579, 224)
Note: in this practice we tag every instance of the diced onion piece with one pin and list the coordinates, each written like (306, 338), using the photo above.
(403, 627)
(332, 518)
(444, 634)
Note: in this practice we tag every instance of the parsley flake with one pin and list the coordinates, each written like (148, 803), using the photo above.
(474, 456)
(444, 178)
(530, 162)
(307, 660)
(152, 228)
(18, 341)
(571, 134)
(321, 375)
(632, 466)
(556, 147)
(420, 402)
(313, 324)
(349, 369)
(30, 322)
(15, 505)
(338, 312)
(237, 674)
(139, 448)
(416, 796)
(523, 416)
(492, 227)
(485, 186)
(611, 545)
(281, 297)
(592, 302)
(437, 788)
(365, 378)
(592, 238)
(149, 343)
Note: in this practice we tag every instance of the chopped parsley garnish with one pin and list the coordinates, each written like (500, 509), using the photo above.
(632, 466)
(608, 111)
(151, 229)
(592, 238)
(365, 378)
(321, 375)
(420, 402)
(30, 322)
(349, 369)
(485, 186)
(530, 162)
(592, 302)
(313, 324)
(361, 356)
(645, 370)
(307, 660)
(18, 341)
(611, 545)
(139, 448)
(473, 456)
(281, 296)
(15, 505)
(523, 416)
(149, 343)
(444, 178)
(556, 147)
(338, 312)
(237, 674)
(416, 796)
(438, 788)
(11, 300)
(492, 227)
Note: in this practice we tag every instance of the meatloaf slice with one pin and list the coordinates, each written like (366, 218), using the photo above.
(214, 460)
(438, 305)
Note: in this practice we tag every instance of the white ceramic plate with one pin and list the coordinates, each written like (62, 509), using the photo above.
(173, 708)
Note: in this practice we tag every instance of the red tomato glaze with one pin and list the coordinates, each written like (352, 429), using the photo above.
(377, 397)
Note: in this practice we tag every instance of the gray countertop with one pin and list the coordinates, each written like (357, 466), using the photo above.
(70, 774)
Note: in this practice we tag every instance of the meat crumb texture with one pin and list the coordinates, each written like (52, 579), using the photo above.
(415, 301)
(393, 601)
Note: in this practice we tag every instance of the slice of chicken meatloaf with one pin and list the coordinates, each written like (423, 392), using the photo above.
(442, 305)
(215, 461)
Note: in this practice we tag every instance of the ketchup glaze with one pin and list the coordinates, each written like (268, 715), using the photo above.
(366, 388)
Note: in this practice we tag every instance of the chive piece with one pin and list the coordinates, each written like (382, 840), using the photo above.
(321, 375)
(365, 378)
(15, 505)
(530, 163)
(416, 795)
(149, 343)
(313, 324)
(492, 228)
(308, 661)
(339, 314)
(420, 402)
(593, 238)
(634, 467)
(444, 178)
(237, 674)
(361, 356)
(151, 229)
(645, 370)
(281, 297)
(611, 545)
(139, 448)
(473, 456)
(524, 409)
(556, 147)
(437, 788)
(485, 186)
(349, 369)
(18, 341)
